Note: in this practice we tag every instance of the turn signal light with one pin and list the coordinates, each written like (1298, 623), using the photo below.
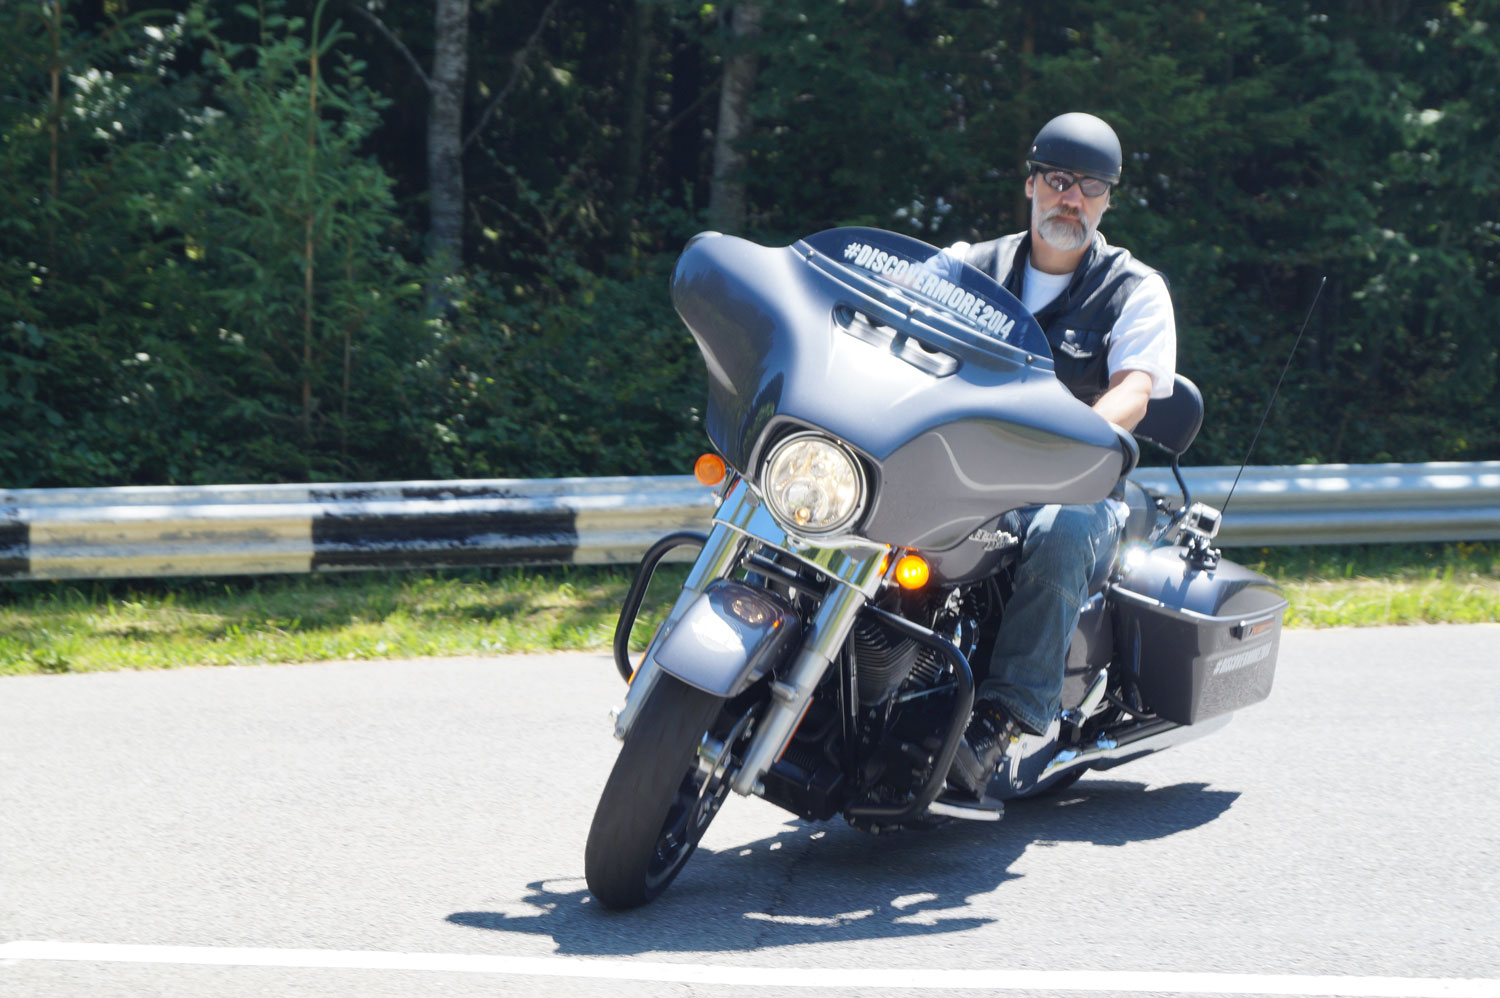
(912, 572)
(709, 469)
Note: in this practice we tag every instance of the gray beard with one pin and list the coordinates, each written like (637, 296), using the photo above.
(1061, 234)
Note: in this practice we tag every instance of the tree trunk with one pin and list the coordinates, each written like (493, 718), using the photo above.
(637, 94)
(684, 165)
(54, 120)
(1021, 207)
(309, 244)
(445, 122)
(726, 200)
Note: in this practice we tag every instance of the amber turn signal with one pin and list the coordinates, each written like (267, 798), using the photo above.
(911, 572)
(709, 470)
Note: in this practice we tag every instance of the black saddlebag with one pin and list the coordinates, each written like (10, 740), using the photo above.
(1199, 642)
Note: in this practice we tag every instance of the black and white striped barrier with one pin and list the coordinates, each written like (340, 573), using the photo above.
(137, 532)
(249, 530)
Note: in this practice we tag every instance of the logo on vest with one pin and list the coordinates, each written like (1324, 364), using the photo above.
(1070, 346)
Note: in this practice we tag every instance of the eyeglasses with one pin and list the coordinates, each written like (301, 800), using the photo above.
(1061, 180)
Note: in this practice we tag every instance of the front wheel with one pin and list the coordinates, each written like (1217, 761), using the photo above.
(662, 793)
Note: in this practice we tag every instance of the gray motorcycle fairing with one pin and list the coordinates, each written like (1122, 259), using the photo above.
(959, 425)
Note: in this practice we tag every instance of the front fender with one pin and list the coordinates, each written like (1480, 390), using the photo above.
(732, 635)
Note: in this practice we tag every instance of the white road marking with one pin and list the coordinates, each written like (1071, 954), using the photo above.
(1110, 981)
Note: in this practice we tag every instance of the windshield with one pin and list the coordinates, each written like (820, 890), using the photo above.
(930, 278)
(921, 365)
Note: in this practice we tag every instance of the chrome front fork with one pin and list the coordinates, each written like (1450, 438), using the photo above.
(791, 694)
(853, 572)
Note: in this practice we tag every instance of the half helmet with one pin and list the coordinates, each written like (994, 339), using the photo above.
(1079, 143)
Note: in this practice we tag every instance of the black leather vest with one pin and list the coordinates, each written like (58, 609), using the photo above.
(1078, 322)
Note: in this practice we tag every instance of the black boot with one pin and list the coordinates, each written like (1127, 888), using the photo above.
(991, 730)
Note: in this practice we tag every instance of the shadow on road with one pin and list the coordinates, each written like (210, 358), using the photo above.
(819, 883)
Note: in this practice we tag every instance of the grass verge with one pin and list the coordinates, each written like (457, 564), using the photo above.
(55, 627)
(151, 624)
(1370, 584)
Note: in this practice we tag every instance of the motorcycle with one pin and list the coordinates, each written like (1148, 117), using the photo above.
(881, 410)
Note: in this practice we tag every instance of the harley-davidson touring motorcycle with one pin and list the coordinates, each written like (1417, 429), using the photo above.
(883, 409)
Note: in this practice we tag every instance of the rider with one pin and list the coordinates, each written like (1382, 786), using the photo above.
(1108, 318)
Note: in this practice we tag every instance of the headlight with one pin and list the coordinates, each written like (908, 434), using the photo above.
(813, 484)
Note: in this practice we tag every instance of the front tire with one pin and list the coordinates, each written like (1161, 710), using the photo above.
(657, 802)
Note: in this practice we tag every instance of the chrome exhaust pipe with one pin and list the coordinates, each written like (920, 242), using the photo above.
(1106, 752)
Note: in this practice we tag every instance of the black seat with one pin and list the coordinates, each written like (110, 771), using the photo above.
(1173, 423)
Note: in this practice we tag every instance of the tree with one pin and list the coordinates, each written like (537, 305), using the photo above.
(205, 275)
(726, 203)
(84, 112)
(446, 86)
(445, 121)
(296, 334)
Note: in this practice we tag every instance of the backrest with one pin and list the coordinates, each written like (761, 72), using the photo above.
(1172, 423)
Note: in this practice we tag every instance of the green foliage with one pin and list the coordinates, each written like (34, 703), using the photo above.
(210, 212)
(573, 375)
(206, 287)
(1267, 145)
(76, 274)
(301, 319)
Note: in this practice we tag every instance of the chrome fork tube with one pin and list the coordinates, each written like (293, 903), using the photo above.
(791, 694)
(717, 559)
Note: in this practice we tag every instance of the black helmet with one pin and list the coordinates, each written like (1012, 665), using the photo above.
(1080, 143)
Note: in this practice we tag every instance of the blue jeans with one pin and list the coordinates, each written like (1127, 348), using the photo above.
(1058, 557)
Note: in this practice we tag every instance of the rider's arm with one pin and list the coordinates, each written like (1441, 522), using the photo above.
(1142, 354)
(1124, 402)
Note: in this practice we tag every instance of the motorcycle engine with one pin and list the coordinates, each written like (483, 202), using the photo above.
(885, 661)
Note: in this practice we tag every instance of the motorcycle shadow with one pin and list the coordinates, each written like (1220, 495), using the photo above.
(821, 883)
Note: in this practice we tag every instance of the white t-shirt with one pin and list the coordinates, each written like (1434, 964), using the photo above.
(1144, 337)
(1038, 289)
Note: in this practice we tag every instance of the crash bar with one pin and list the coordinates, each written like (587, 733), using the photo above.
(141, 531)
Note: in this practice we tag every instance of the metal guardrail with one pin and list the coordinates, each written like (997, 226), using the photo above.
(1347, 503)
(246, 530)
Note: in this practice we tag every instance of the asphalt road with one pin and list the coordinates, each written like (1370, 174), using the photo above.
(400, 828)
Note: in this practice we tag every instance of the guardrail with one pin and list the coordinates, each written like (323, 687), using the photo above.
(244, 530)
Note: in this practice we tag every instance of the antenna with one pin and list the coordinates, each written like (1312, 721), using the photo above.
(1284, 368)
(1200, 523)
